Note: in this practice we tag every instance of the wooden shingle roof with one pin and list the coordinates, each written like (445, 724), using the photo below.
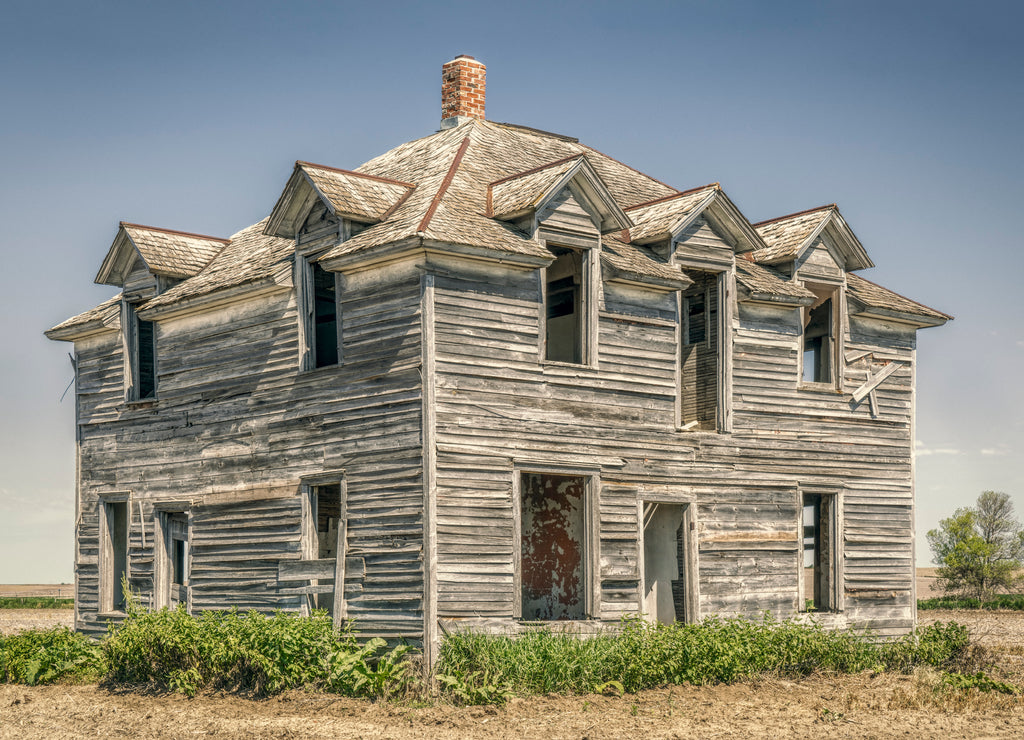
(106, 316)
(786, 234)
(654, 220)
(176, 254)
(872, 298)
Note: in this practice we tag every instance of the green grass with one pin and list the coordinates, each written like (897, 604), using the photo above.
(35, 602)
(1014, 602)
(714, 651)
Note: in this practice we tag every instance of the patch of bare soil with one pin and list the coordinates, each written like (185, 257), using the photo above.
(848, 706)
(16, 620)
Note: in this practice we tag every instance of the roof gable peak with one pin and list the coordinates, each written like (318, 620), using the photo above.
(166, 252)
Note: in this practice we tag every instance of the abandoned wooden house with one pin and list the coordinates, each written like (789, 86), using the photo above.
(495, 377)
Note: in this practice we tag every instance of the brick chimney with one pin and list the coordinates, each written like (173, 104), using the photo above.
(463, 90)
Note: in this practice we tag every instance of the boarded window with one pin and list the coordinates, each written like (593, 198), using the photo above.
(114, 556)
(563, 309)
(553, 565)
(820, 552)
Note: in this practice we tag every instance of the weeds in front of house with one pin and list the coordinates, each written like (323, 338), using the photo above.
(643, 655)
(260, 655)
(45, 656)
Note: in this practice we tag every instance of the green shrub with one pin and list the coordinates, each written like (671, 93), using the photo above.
(249, 653)
(44, 656)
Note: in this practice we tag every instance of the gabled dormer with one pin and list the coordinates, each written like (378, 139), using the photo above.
(144, 260)
(318, 199)
(698, 229)
(565, 195)
(816, 244)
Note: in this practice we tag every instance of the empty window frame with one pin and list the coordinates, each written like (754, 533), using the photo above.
(321, 324)
(324, 539)
(567, 306)
(173, 559)
(114, 524)
(140, 354)
(556, 549)
(820, 555)
(820, 348)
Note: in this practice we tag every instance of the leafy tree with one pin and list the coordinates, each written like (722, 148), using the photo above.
(980, 549)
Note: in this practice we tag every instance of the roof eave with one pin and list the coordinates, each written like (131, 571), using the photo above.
(902, 317)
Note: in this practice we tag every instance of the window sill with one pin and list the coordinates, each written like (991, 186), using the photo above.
(111, 615)
(818, 387)
(323, 370)
(566, 369)
(142, 403)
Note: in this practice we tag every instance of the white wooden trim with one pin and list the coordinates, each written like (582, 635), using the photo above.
(429, 437)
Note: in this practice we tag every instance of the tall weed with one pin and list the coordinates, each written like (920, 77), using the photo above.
(44, 656)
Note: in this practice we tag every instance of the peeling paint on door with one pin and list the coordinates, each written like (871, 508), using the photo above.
(553, 533)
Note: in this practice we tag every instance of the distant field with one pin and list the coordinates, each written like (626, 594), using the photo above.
(53, 590)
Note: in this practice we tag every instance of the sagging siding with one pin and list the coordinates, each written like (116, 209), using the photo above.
(500, 408)
(235, 429)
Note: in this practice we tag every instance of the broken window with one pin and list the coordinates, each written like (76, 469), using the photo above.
(140, 348)
(700, 365)
(565, 306)
(820, 337)
(173, 559)
(113, 555)
(321, 325)
(820, 552)
(554, 568)
(669, 576)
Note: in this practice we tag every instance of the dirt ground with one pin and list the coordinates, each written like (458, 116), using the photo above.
(862, 706)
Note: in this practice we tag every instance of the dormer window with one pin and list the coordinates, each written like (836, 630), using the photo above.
(140, 354)
(566, 306)
(320, 325)
(821, 336)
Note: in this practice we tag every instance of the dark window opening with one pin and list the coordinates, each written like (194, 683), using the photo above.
(325, 315)
(179, 563)
(117, 572)
(553, 558)
(819, 342)
(176, 567)
(819, 552)
(145, 352)
(563, 308)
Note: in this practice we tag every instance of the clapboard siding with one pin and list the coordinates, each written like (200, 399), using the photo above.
(235, 417)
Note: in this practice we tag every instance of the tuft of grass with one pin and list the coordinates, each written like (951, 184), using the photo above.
(35, 602)
(46, 656)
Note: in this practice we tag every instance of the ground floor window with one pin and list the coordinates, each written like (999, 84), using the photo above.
(820, 552)
(173, 560)
(555, 557)
(113, 554)
(325, 510)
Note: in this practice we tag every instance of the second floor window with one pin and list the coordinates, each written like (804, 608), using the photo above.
(820, 338)
(565, 307)
(320, 316)
(140, 348)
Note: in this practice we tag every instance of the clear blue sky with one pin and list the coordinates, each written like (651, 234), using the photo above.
(189, 115)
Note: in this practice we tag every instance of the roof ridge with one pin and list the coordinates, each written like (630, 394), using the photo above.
(534, 170)
(173, 231)
(634, 169)
(890, 290)
(679, 194)
(830, 206)
(538, 131)
(300, 162)
(436, 201)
